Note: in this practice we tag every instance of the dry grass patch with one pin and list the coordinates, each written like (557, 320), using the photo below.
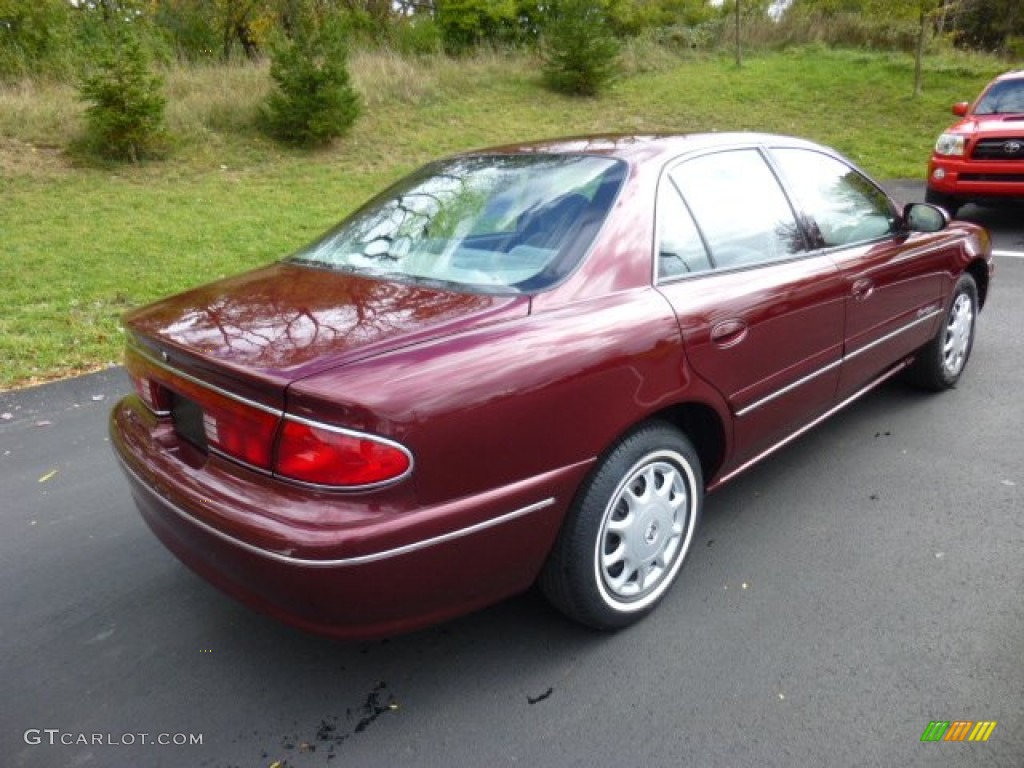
(40, 112)
(206, 99)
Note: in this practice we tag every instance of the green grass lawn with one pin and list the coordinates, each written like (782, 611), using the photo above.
(80, 244)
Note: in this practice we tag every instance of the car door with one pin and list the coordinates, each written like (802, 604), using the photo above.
(892, 278)
(761, 316)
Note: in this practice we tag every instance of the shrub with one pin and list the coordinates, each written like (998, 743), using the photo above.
(125, 117)
(314, 101)
(465, 24)
(580, 53)
(35, 38)
(420, 36)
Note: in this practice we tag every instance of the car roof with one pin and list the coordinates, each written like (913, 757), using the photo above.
(1015, 74)
(640, 147)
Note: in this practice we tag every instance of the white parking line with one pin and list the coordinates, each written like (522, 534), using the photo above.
(1009, 254)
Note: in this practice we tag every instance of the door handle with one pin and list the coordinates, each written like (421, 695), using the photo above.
(863, 288)
(728, 333)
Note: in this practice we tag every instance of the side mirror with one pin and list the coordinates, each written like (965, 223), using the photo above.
(960, 108)
(924, 217)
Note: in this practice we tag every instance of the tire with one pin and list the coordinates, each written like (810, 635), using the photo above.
(628, 531)
(942, 360)
(950, 203)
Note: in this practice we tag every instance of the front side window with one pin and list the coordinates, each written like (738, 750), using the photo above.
(481, 222)
(845, 205)
(739, 207)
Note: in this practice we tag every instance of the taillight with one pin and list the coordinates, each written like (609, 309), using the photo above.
(237, 429)
(336, 457)
(247, 431)
(156, 398)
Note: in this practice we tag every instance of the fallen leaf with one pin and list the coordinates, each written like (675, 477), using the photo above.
(48, 475)
(44, 423)
(6, 416)
(1009, 483)
(98, 398)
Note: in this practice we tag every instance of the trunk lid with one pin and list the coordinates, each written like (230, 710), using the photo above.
(256, 333)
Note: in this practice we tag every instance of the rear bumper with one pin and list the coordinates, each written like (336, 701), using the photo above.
(340, 565)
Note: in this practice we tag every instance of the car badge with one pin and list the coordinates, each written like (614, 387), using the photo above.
(1012, 147)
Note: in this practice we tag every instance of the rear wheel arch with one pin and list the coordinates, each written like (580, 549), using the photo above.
(703, 426)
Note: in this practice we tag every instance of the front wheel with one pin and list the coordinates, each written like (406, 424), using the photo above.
(629, 530)
(941, 361)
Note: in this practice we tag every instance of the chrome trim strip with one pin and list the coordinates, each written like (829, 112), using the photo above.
(789, 388)
(343, 562)
(893, 334)
(799, 383)
(142, 352)
(810, 425)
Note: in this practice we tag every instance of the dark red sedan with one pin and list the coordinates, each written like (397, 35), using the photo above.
(529, 364)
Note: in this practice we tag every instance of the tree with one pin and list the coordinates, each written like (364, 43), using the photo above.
(314, 101)
(466, 24)
(990, 25)
(34, 37)
(923, 16)
(737, 11)
(925, 12)
(200, 28)
(125, 116)
(580, 52)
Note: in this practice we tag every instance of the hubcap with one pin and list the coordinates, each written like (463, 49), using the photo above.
(645, 530)
(958, 335)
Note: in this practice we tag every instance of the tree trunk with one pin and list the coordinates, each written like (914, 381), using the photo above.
(739, 49)
(921, 35)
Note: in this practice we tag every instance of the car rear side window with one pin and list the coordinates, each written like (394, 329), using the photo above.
(740, 209)
(847, 208)
(681, 250)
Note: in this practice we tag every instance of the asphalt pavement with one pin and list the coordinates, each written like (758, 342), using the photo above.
(842, 595)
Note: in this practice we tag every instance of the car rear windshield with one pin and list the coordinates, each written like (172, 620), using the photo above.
(494, 223)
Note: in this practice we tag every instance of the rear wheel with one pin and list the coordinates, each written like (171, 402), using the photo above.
(941, 361)
(950, 203)
(629, 530)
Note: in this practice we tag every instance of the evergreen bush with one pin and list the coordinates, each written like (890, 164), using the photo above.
(125, 117)
(579, 50)
(313, 102)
